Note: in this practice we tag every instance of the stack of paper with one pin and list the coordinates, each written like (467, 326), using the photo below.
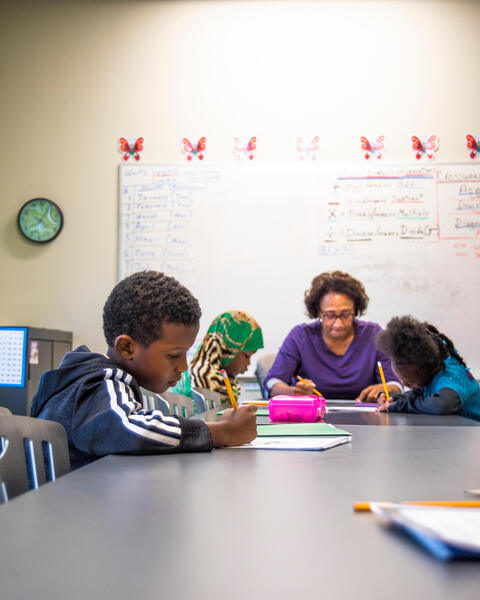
(353, 408)
(300, 429)
(448, 532)
(298, 436)
(295, 443)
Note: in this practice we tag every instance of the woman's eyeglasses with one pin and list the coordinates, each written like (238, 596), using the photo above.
(344, 316)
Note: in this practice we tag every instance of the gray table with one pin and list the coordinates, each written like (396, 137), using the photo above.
(389, 419)
(371, 418)
(242, 524)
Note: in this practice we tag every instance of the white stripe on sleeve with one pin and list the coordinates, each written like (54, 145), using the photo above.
(140, 424)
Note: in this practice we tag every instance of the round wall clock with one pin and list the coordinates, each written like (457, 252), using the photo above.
(40, 220)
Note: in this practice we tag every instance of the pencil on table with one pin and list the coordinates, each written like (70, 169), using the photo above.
(314, 389)
(365, 506)
(256, 402)
(385, 389)
(229, 389)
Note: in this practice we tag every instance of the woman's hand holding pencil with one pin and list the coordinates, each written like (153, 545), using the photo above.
(306, 387)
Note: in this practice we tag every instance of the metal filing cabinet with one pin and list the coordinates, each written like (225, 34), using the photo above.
(26, 353)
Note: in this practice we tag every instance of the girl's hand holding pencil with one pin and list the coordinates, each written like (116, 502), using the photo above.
(384, 398)
(383, 402)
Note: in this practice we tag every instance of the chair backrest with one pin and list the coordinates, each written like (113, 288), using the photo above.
(32, 452)
(182, 406)
(153, 401)
(5, 411)
(162, 405)
(263, 366)
(199, 401)
(212, 399)
(171, 403)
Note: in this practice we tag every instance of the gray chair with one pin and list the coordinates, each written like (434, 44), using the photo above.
(182, 406)
(153, 401)
(32, 452)
(199, 401)
(264, 364)
(212, 399)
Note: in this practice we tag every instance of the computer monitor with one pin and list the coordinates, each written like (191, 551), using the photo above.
(13, 356)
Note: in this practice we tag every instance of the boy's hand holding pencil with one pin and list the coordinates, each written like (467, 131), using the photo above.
(237, 426)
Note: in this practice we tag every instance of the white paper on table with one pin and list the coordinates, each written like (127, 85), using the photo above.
(459, 527)
(288, 442)
(331, 409)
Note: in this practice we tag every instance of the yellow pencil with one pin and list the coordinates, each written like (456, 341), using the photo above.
(365, 506)
(256, 403)
(229, 389)
(385, 389)
(314, 389)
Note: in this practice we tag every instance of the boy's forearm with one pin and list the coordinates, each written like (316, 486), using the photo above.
(219, 436)
(235, 428)
(223, 435)
(196, 437)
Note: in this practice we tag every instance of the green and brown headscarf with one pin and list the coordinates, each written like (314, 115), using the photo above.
(230, 333)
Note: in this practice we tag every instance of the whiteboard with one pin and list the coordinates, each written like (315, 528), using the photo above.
(252, 237)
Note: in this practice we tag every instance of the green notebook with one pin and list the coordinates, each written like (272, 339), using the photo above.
(282, 429)
(261, 412)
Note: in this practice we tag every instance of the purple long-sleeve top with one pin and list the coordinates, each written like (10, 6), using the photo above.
(305, 353)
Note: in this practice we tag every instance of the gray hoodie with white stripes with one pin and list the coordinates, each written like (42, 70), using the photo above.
(100, 406)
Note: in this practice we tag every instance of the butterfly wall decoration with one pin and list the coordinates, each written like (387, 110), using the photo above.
(130, 148)
(374, 148)
(473, 144)
(424, 147)
(244, 150)
(194, 150)
(308, 149)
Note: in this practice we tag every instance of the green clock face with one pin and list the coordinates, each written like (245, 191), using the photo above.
(40, 220)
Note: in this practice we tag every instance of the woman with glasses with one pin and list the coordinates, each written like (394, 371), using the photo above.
(336, 353)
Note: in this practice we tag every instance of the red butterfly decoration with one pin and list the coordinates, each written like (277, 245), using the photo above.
(473, 144)
(197, 150)
(305, 150)
(241, 149)
(429, 147)
(370, 149)
(131, 149)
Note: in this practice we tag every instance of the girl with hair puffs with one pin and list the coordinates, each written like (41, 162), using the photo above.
(427, 361)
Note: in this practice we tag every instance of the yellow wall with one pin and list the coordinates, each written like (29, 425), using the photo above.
(76, 76)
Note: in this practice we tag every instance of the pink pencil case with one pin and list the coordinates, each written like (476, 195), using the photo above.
(296, 408)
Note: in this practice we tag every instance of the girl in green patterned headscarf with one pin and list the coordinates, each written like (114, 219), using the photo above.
(229, 343)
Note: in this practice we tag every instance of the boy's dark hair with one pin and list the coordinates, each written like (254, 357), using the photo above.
(408, 341)
(339, 283)
(140, 304)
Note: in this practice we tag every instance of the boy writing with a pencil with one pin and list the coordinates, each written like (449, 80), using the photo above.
(150, 321)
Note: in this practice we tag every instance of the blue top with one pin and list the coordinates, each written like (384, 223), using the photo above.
(453, 390)
(305, 353)
(458, 378)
